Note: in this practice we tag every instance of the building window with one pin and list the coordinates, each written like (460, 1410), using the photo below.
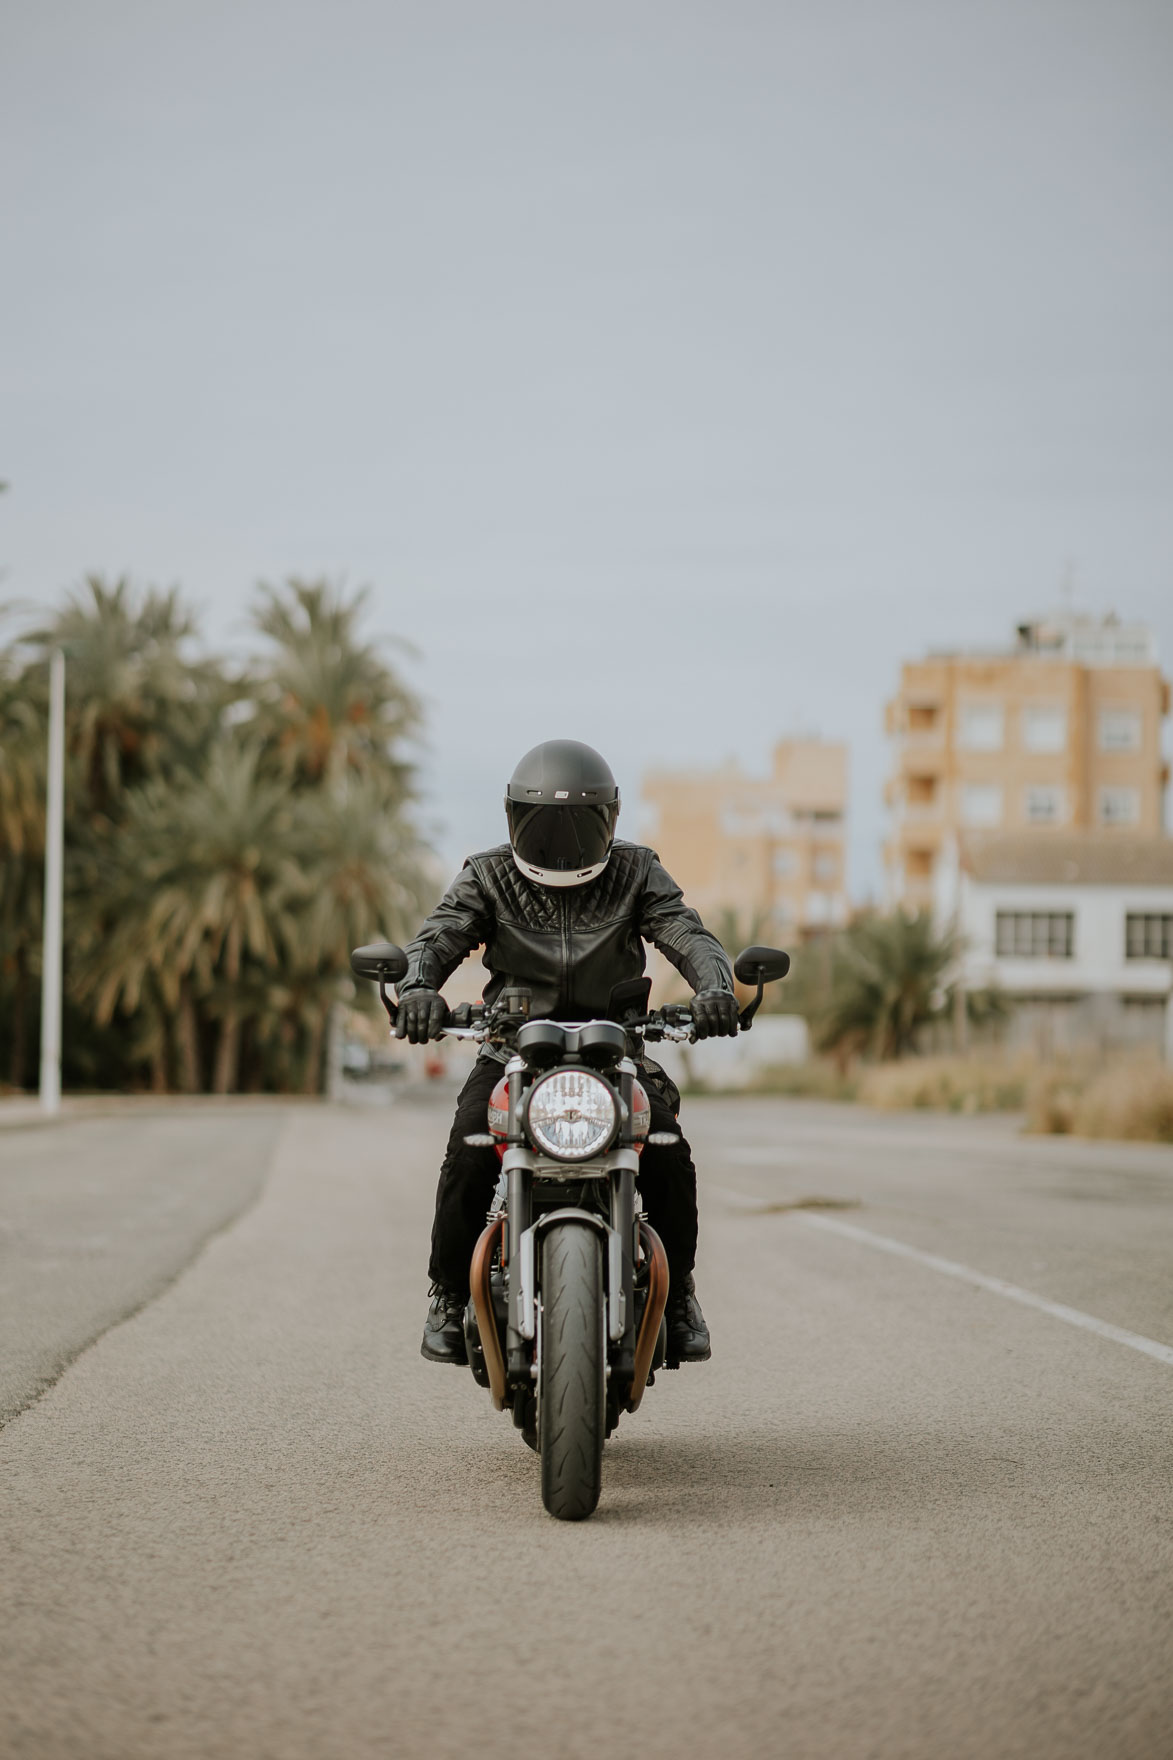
(818, 907)
(1034, 934)
(1044, 805)
(980, 727)
(919, 864)
(1044, 728)
(923, 717)
(921, 791)
(1119, 806)
(981, 804)
(826, 865)
(1148, 935)
(1120, 730)
(785, 863)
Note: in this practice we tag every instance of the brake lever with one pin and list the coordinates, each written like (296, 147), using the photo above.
(674, 1023)
(391, 1006)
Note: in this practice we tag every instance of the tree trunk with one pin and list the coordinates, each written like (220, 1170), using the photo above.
(188, 1038)
(227, 1055)
(312, 1079)
(19, 1020)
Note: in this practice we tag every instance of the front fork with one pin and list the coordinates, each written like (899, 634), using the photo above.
(629, 1356)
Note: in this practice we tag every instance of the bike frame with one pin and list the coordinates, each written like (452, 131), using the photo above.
(513, 1364)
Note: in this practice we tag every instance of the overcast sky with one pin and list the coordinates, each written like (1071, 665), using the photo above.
(669, 371)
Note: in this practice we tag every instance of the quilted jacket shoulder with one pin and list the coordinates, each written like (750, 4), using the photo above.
(614, 894)
(569, 944)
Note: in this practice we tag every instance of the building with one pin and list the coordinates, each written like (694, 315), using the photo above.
(1060, 733)
(757, 856)
(1075, 929)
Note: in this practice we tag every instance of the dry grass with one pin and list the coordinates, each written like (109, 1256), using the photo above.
(947, 1084)
(1051, 1097)
(817, 1079)
(1131, 1100)
(1129, 1097)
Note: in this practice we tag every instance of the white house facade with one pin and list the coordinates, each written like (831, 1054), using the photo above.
(1076, 931)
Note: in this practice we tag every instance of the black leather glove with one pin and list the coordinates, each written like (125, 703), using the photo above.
(421, 1016)
(714, 1014)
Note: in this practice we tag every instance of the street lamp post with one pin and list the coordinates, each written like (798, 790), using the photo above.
(54, 873)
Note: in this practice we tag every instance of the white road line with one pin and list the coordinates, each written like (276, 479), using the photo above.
(1149, 1347)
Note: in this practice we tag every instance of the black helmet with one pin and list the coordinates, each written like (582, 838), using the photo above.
(562, 803)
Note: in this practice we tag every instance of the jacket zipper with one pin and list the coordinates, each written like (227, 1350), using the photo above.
(564, 924)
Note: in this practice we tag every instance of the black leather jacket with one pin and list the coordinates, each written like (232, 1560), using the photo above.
(571, 945)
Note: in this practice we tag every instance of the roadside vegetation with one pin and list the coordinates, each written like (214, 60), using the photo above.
(1129, 1097)
(984, 1082)
(231, 832)
(882, 1014)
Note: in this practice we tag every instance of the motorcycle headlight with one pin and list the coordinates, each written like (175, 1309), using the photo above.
(572, 1114)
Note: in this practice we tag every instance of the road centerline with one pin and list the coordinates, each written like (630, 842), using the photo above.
(1012, 1292)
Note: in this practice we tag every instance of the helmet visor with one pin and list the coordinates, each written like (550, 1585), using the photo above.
(564, 839)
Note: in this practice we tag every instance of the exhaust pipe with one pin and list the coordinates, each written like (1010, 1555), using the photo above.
(482, 1301)
(649, 1332)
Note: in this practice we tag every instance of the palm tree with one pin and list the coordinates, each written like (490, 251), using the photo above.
(887, 976)
(211, 855)
(328, 701)
(23, 724)
(359, 858)
(220, 864)
(137, 703)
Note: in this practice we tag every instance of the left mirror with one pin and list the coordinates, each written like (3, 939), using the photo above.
(761, 964)
(380, 959)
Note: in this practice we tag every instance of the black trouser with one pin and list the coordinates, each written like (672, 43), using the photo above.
(667, 1184)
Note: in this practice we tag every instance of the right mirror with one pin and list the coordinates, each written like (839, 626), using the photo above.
(766, 963)
(379, 959)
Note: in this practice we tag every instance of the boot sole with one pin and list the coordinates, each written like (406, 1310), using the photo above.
(676, 1362)
(442, 1357)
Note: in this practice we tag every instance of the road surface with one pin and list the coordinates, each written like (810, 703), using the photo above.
(920, 1503)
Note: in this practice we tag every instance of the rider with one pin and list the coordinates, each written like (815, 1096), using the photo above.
(563, 909)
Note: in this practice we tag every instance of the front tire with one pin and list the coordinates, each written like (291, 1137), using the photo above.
(572, 1390)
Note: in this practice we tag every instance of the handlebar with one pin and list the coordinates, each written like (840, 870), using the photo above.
(656, 1025)
(481, 1022)
(387, 963)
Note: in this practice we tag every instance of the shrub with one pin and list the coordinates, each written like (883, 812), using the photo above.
(816, 1079)
(946, 1084)
(1052, 1093)
(1129, 1101)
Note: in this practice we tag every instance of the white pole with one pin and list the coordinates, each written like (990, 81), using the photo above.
(54, 871)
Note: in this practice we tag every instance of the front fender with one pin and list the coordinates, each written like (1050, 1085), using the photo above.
(527, 1257)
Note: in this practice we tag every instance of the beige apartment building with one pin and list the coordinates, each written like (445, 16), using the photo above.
(757, 856)
(1059, 733)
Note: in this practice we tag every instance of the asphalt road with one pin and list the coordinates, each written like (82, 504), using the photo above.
(96, 1219)
(902, 1513)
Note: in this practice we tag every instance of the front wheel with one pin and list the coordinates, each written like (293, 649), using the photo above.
(572, 1376)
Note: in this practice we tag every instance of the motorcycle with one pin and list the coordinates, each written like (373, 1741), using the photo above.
(569, 1283)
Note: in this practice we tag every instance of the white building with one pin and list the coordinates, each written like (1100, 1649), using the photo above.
(1075, 929)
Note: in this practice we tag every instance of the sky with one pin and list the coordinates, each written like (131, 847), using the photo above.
(670, 372)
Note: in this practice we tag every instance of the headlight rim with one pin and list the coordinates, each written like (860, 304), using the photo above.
(597, 1149)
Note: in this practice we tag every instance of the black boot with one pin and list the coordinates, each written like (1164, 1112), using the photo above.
(444, 1327)
(688, 1336)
